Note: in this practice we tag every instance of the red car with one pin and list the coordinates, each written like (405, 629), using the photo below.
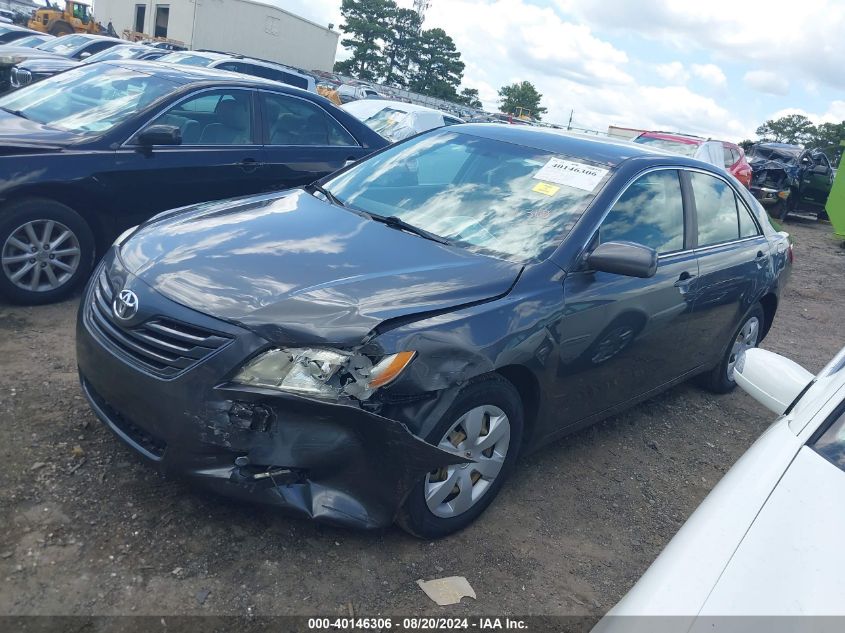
(719, 153)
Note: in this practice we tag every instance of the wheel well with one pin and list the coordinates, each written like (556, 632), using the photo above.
(770, 306)
(74, 199)
(529, 393)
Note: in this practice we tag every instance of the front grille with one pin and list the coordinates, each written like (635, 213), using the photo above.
(161, 346)
(20, 78)
(150, 444)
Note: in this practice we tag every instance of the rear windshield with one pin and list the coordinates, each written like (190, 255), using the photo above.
(64, 45)
(187, 59)
(668, 145)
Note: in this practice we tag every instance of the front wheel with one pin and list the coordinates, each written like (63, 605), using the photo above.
(484, 424)
(721, 378)
(46, 251)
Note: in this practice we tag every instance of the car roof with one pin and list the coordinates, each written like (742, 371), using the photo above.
(594, 148)
(671, 136)
(185, 74)
(18, 27)
(372, 106)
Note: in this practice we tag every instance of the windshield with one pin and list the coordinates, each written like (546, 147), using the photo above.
(513, 201)
(785, 155)
(30, 41)
(116, 52)
(87, 100)
(831, 443)
(669, 145)
(386, 121)
(63, 45)
(187, 59)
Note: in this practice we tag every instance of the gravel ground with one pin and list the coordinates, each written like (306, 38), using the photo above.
(87, 529)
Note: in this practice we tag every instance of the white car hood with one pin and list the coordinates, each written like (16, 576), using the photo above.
(791, 561)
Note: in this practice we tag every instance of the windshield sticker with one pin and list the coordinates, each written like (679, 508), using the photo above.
(545, 188)
(572, 174)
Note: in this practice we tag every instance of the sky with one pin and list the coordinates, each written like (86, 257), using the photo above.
(718, 68)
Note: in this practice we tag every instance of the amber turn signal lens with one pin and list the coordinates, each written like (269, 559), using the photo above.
(389, 368)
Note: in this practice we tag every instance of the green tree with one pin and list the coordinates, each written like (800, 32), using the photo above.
(793, 128)
(521, 95)
(366, 25)
(746, 144)
(827, 137)
(438, 68)
(469, 96)
(400, 40)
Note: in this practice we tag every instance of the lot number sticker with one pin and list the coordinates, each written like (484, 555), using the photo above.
(571, 173)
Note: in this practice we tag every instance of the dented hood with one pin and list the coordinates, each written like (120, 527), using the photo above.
(298, 270)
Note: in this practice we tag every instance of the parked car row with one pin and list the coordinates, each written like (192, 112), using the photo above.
(99, 148)
(730, 156)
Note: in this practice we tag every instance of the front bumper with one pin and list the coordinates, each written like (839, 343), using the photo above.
(765, 195)
(335, 463)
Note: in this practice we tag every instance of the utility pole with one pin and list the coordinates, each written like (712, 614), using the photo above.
(569, 125)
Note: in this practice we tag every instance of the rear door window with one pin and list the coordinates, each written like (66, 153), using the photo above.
(650, 212)
(293, 121)
(716, 207)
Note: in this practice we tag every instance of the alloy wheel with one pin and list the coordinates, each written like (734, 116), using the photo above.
(745, 339)
(482, 434)
(40, 255)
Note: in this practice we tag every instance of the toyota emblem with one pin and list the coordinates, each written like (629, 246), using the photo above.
(125, 305)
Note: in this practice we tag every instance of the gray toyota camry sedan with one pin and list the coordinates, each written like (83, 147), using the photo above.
(383, 344)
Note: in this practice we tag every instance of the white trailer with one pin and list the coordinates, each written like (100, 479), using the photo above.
(247, 27)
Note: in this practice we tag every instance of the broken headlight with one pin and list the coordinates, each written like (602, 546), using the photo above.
(322, 373)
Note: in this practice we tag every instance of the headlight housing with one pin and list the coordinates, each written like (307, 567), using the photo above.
(322, 373)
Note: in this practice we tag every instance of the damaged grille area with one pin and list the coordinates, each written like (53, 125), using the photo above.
(161, 346)
(149, 444)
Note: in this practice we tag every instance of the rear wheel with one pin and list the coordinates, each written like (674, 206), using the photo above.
(46, 251)
(749, 333)
(485, 425)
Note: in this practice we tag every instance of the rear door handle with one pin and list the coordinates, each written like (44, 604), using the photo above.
(249, 165)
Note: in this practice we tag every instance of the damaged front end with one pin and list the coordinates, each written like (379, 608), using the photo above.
(291, 427)
(776, 174)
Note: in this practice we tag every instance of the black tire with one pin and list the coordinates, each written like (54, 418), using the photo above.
(415, 516)
(780, 210)
(17, 214)
(717, 379)
(61, 28)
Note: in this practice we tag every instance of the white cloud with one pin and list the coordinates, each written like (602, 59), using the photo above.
(673, 72)
(778, 35)
(766, 81)
(711, 74)
(835, 113)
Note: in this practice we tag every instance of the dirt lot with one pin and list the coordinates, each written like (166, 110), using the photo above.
(86, 528)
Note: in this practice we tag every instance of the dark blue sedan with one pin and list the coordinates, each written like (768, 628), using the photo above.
(383, 344)
(96, 149)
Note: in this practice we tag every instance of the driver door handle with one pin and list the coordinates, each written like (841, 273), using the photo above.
(684, 280)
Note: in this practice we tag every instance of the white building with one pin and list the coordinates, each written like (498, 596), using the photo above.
(247, 27)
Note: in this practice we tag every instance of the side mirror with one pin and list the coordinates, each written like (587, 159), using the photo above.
(624, 258)
(84, 55)
(771, 379)
(160, 135)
